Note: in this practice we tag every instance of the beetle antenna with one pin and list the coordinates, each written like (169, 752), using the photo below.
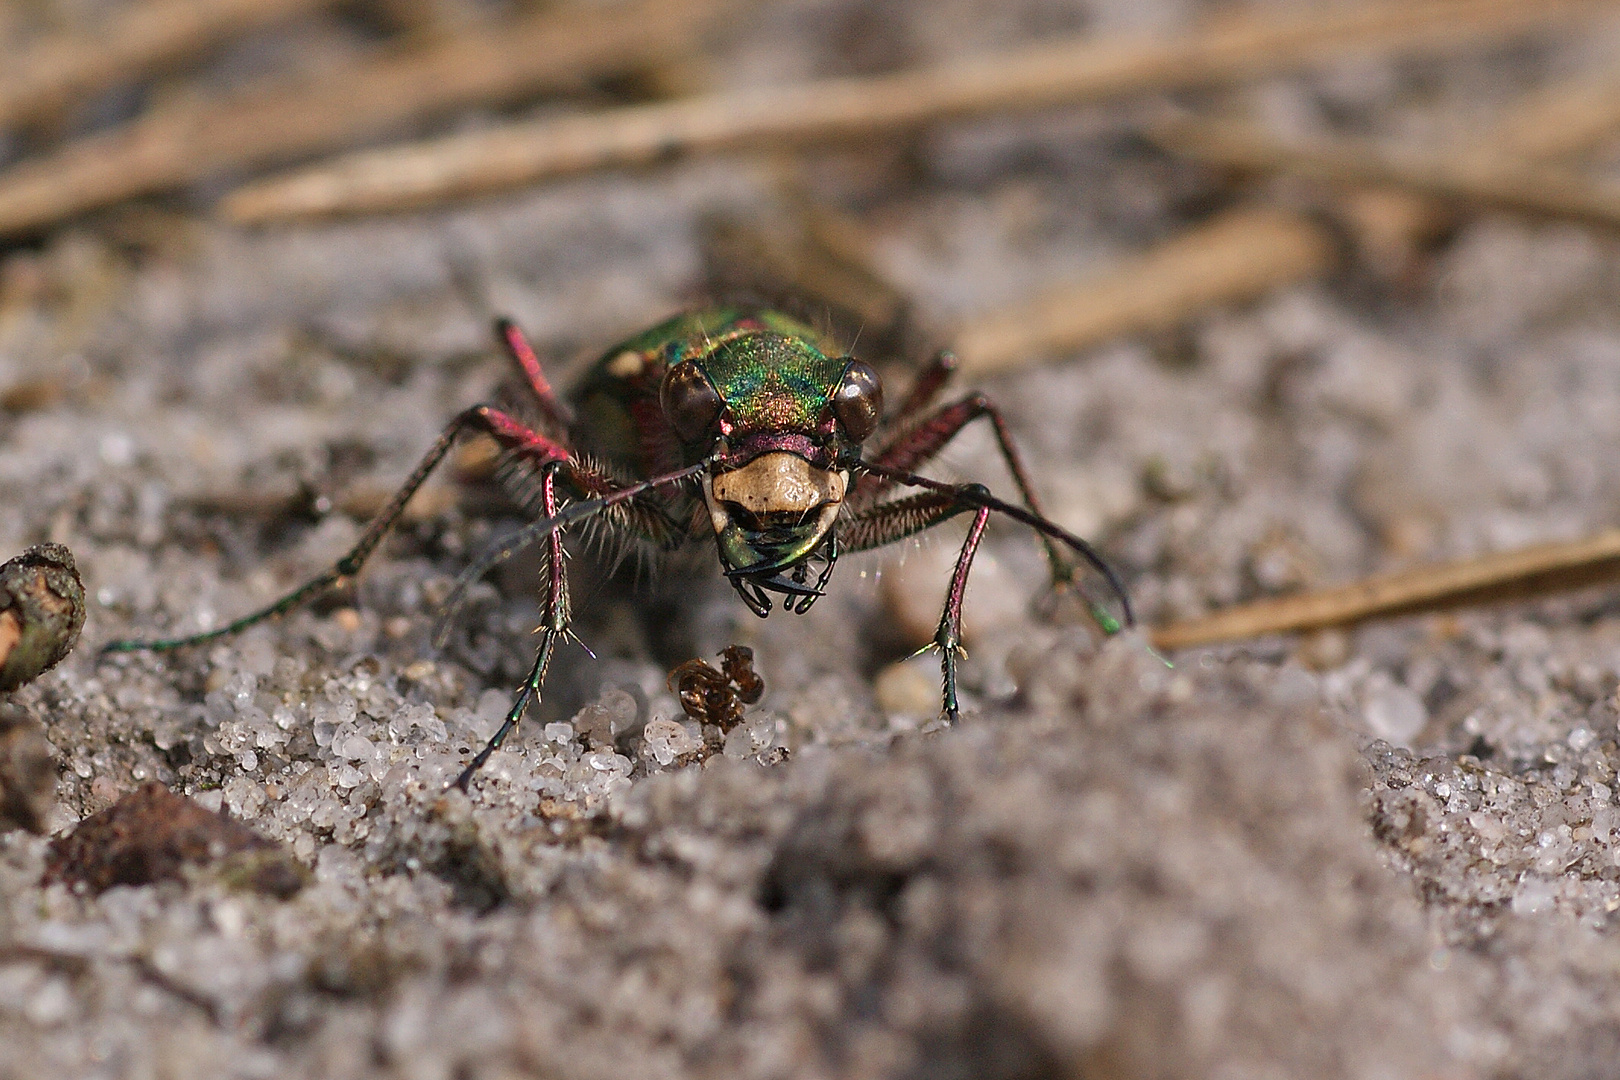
(539, 530)
(977, 495)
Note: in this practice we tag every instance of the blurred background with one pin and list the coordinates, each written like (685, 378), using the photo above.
(1277, 296)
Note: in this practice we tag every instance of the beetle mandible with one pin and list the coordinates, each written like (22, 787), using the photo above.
(738, 425)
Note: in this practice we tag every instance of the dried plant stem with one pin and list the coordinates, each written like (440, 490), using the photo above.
(1559, 121)
(1247, 255)
(1085, 69)
(137, 38)
(1470, 177)
(1238, 256)
(178, 144)
(1528, 572)
(1498, 169)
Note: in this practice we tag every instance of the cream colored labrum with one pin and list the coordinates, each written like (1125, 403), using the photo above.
(776, 483)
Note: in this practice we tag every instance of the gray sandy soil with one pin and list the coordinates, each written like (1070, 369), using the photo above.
(1387, 853)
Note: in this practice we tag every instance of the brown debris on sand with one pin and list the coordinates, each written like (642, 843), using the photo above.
(155, 835)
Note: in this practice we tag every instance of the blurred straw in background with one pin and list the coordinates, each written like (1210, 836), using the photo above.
(1077, 71)
(57, 69)
(176, 144)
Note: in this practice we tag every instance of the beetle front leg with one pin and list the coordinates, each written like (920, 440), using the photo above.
(553, 626)
(921, 441)
(892, 522)
(628, 515)
(948, 637)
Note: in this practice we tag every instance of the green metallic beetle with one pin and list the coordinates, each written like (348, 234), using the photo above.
(744, 426)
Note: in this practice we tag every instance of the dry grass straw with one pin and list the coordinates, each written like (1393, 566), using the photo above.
(1244, 254)
(1562, 120)
(1077, 70)
(55, 70)
(1238, 256)
(1502, 169)
(1481, 178)
(1528, 572)
(174, 145)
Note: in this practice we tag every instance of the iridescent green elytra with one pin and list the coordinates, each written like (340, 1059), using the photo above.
(742, 425)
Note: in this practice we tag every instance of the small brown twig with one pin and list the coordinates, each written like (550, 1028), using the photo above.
(137, 38)
(188, 141)
(1470, 177)
(1527, 572)
(1238, 256)
(1077, 70)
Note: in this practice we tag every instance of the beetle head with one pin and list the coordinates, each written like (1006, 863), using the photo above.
(780, 421)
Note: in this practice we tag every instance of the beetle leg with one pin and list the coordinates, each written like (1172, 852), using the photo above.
(901, 518)
(924, 390)
(925, 438)
(948, 636)
(553, 625)
(511, 434)
(522, 353)
(890, 522)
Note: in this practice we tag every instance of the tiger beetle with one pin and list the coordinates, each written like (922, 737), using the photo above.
(742, 426)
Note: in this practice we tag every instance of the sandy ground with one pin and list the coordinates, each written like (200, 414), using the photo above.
(1389, 853)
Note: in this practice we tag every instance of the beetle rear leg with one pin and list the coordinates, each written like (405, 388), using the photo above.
(510, 433)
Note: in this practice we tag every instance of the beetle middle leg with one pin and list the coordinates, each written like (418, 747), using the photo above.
(923, 392)
(528, 364)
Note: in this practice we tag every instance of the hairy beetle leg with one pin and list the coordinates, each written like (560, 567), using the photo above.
(554, 624)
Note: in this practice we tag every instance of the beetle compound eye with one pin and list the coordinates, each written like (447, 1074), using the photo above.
(690, 401)
(858, 401)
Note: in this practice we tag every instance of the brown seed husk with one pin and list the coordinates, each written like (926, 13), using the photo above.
(41, 613)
